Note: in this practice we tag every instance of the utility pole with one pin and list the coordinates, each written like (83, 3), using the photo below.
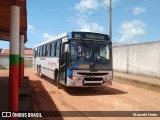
(109, 17)
(110, 20)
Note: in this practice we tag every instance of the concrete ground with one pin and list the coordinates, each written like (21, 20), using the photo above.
(45, 96)
(4, 84)
(24, 93)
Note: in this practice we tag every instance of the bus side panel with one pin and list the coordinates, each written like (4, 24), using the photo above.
(53, 64)
(37, 63)
(48, 65)
(44, 65)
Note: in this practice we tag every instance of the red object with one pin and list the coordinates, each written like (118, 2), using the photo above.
(13, 88)
(21, 73)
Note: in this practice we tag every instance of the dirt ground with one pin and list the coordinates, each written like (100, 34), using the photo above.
(46, 96)
(119, 97)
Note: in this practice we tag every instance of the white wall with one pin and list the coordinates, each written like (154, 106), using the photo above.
(4, 61)
(138, 59)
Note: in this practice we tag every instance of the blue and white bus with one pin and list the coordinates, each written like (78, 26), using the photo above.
(76, 59)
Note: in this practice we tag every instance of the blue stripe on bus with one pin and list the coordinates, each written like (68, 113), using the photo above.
(69, 73)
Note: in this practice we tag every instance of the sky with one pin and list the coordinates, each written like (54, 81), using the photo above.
(133, 21)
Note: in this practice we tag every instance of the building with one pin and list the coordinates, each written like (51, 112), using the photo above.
(4, 57)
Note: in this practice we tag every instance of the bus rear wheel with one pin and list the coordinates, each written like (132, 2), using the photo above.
(39, 72)
(56, 74)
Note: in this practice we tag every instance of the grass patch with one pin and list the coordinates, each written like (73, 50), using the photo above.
(140, 84)
(3, 68)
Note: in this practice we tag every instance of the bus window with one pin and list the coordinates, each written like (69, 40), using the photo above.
(52, 49)
(44, 50)
(41, 51)
(38, 51)
(48, 50)
(57, 48)
(45, 54)
(35, 53)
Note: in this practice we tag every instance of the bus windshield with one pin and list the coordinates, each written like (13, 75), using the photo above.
(90, 55)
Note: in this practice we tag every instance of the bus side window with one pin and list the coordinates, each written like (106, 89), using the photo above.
(48, 50)
(38, 52)
(57, 48)
(35, 53)
(41, 55)
(44, 50)
(52, 50)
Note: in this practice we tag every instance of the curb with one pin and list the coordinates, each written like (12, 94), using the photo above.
(24, 96)
(137, 83)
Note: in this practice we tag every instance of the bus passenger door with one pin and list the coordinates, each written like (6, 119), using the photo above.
(63, 65)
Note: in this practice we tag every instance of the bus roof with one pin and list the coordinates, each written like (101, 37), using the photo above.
(77, 34)
(53, 39)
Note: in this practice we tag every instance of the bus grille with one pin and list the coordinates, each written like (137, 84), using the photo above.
(92, 84)
(93, 79)
(91, 74)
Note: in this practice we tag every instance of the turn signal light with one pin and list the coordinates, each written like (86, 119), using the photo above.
(73, 78)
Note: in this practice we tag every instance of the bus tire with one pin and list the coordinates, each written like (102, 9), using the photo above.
(39, 72)
(56, 74)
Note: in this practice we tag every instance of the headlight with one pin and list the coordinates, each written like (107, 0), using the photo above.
(74, 78)
(107, 78)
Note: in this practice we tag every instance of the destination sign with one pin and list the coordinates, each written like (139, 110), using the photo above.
(93, 36)
(90, 35)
